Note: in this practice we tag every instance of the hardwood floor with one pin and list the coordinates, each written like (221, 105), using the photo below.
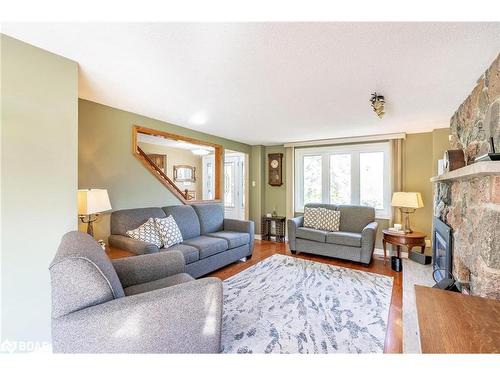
(394, 337)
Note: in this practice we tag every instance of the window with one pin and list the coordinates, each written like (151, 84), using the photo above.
(347, 174)
(371, 185)
(340, 179)
(312, 178)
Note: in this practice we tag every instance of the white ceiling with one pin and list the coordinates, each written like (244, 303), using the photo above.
(270, 83)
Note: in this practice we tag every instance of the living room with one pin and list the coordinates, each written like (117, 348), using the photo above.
(251, 187)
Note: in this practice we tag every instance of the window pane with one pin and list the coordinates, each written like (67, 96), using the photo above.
(371, 179)
(312, 179)
(340, 179)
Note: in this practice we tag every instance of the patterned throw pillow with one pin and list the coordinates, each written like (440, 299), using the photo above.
(169, 231)
(310, 217)
(147, 232)
(328, 220)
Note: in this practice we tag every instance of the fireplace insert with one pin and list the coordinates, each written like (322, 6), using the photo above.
(441, 250)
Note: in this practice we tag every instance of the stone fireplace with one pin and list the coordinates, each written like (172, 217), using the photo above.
(468, 199)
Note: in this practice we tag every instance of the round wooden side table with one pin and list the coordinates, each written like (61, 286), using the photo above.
(410, 240)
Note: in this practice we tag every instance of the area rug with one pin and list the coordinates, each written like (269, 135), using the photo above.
(290, 305)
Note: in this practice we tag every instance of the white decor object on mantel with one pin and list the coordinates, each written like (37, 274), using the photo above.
(440, 167)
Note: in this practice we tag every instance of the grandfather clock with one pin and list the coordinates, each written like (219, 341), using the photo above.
(275, 169)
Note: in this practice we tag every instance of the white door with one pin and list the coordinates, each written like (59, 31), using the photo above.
(208, 177)
(234, 186)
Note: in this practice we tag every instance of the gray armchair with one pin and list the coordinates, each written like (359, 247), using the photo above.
(142, 304)
(354, 241)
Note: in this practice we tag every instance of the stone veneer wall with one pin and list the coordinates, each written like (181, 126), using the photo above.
(478, 117)
(472, 206)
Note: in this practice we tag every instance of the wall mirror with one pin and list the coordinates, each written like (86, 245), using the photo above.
(189, 168)
(184, 173)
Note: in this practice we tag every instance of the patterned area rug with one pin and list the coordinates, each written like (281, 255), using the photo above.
(290, 305)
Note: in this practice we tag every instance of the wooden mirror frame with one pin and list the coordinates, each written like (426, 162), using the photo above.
(183, 195)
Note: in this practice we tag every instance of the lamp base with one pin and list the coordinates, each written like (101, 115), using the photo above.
(406, 213)
(89, 220)
(90, 228)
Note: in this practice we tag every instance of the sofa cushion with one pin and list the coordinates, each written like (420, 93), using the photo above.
(344, 238)
(355, 218)
(158, 284)
(207, 245)
(234, 239)
(191, 254)
(186, 220)
(311, 234)
(124, 220)
(147, 232)
(211, 217)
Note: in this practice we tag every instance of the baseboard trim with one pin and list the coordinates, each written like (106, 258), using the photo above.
(380, 252)
(259, 237)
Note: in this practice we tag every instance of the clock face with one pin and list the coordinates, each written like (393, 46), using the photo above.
(274, 164)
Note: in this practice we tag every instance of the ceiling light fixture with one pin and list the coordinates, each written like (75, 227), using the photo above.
(378, 103)
(199, 119)
(200, 151)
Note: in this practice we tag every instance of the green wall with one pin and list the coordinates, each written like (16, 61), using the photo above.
(257, 193)
(275, 196)
(421, 153)
(105, 158)
(38, 180)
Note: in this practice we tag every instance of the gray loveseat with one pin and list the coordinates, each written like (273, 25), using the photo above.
(210, 241)
(143, 304)
(355, 241)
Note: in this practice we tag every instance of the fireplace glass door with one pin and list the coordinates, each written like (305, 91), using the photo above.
(440, 261)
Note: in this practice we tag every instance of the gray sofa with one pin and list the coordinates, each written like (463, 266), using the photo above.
(355, 241)
(143, 304)
(210, 241)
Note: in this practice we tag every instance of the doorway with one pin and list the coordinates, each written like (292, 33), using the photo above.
(235, 185)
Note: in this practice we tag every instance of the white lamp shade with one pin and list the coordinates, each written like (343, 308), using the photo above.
(93, 201)
(407, 200)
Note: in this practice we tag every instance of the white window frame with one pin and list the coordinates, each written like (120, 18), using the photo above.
(354, 150)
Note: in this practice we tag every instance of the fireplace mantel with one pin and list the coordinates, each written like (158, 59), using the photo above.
(479, 169)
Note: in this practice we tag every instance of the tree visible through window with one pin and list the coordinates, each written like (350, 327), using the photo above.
(312, 179)
(371, 179)
(340, 179)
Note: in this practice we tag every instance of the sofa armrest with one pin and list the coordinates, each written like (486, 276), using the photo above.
(184, 318)
(292, 225)
(368, 237)
(149, 267)
(131, 244)
(244, 226)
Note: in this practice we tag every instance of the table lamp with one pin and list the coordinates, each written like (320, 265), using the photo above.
(407, 203)
(91, 202)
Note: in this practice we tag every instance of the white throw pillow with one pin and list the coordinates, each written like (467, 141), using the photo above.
(169, 231)
(310, 217)
(328, 220)
(147, 232)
